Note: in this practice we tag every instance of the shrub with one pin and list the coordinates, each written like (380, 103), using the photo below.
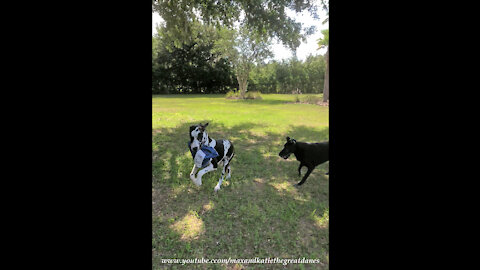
(232, 94)
(312, 100)
(297, 98)
(249, 95)
(253, 95)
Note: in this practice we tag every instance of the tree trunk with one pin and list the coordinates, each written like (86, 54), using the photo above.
(326, 91)
(242, 84)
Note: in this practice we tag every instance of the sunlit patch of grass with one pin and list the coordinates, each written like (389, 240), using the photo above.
(259, 180)
(286, 188)
(320, 221)
(209, 206)
(275, 111)
(176, 190)
(189, 227)
(282, 187)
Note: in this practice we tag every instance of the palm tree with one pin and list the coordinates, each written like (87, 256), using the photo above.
(323, 43)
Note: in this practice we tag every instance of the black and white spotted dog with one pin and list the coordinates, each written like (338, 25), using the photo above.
(224, 148)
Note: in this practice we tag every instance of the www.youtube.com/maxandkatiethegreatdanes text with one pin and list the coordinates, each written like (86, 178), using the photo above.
(242, 261)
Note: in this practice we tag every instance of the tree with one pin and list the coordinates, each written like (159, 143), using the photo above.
(315, 69)
(261, 21)
(191, 68)
(325, 7)
(289, 75)
(323, 43)
(263, 78)
(243, 48)
(264, 17)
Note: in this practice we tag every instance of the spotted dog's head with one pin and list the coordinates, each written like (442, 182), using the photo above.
(288, 148)
(198, 136)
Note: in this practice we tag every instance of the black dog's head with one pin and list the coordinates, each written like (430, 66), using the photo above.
(288, 148)
(198, 136)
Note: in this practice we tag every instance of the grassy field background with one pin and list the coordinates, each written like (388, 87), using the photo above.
(257, 213)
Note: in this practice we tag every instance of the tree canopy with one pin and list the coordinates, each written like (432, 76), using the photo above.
(265, 17)
(206, 46)
(323, 42)
(191, 68)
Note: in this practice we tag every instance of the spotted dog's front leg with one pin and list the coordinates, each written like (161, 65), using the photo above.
(207, 169)
(192, 175)
(217, 187)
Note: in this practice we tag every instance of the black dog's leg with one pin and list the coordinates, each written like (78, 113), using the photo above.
(310, 169)
(300, 168)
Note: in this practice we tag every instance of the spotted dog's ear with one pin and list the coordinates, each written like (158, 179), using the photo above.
(190, 133)
(191, 129)
(205, 125)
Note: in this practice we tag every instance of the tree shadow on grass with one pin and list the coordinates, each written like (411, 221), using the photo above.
(257, 213)
(263, 101)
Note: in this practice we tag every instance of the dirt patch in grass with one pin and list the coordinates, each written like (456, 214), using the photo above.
(310, 99)
(320, 103)
(159, 198)
(306, 232)
(259, 184)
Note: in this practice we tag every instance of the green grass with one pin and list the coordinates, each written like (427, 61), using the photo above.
(257, 213)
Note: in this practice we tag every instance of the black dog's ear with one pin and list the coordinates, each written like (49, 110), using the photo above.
(203, 127)
(293, 141)
(288, 139)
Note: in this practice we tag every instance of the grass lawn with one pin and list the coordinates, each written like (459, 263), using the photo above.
(258, 212)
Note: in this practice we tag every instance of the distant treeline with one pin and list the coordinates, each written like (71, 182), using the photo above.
(195, 69)
(288, 76)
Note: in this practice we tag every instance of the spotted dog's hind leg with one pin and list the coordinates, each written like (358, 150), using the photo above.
(229, 175)
(217, 187)
(192, 175)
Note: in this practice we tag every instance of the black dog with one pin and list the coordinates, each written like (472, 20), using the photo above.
(309, 155)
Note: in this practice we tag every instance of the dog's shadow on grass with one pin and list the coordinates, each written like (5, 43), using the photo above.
(256, 213)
